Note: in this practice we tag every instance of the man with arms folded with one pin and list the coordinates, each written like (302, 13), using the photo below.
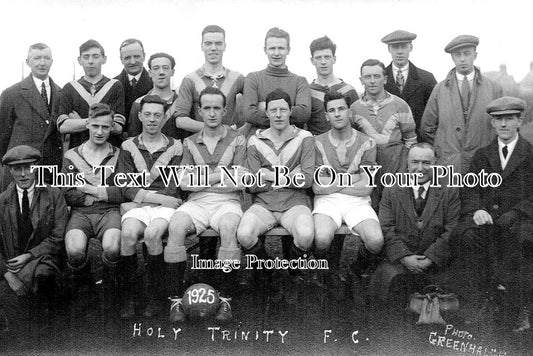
(94, 209)
(32, 221)
(217, 206)
(258, 85)
(344, 150)
(387, 119)
(211, 74)
(161, 71)
(323, 58)
(151, 207)
(134, 77)
(28, 110)
(494, 238)
(417, 222)
(404, 79)
(78, 96)
(454, 120)
(282, 144)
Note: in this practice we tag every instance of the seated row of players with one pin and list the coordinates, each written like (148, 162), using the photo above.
(417, 221)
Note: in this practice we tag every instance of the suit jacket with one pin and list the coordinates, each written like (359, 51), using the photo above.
(416, 91)
(49, 216)
(141, 88)
(400, 223)
(25, 120)
(516, 190)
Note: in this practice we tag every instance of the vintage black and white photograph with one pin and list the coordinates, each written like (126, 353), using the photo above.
(266, 177)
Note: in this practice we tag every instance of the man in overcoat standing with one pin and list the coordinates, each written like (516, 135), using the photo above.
(454, 120)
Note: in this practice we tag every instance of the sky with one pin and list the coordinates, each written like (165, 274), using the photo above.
(356, 26)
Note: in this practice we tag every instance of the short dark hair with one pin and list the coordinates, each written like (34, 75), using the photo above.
(99, 109)
(278, 33)
(153, 99)
(331, 95)
(371, 63)
(213, 28)
(91, 44)
(212, 91)
(278, 94)
(162, 55)
(322, 43)
(130, 41)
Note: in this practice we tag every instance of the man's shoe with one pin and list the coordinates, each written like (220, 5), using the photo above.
(224, 313)
(177, 315)
(522, 323)
(152, 306)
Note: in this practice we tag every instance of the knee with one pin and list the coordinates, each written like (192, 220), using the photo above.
(152, 236)
(303, 236)
(129, 237)
(111, 241)
(373, 242)
(323, 239)
(246, 235)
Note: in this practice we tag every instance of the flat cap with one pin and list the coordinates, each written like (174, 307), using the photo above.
(398, 36)
(21, 154)
(506, 105)
(461, 41)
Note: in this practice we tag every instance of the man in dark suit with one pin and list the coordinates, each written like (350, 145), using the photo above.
(494, 239)
(134, 77)
(412, 84)
(27, 112)
(32, 226)
(417, 222)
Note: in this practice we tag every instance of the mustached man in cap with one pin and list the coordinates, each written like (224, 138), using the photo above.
(412, 84)
(454, 120)
(32, 226)
(494, 239)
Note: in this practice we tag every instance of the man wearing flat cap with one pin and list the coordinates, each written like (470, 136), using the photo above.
(412, 84)
(454, 120)
(32, 225)
(494, 239)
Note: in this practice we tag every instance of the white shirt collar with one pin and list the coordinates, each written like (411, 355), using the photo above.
(39, 83)
(470, 76)
(20, 191)
(426, 187)
(404, 69)
(510, 148)
(137, 77)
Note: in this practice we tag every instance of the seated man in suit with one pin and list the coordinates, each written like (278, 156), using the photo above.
(417, 222)
(32, 225)
(494, 239)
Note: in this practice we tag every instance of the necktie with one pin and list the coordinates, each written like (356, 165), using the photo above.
(419, 201)
(400, 80)
(133, 83)
(25, 227)
(44, 94)
(505, 151)
(465, 94)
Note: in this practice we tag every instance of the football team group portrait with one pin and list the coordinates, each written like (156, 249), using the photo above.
(266, 211)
